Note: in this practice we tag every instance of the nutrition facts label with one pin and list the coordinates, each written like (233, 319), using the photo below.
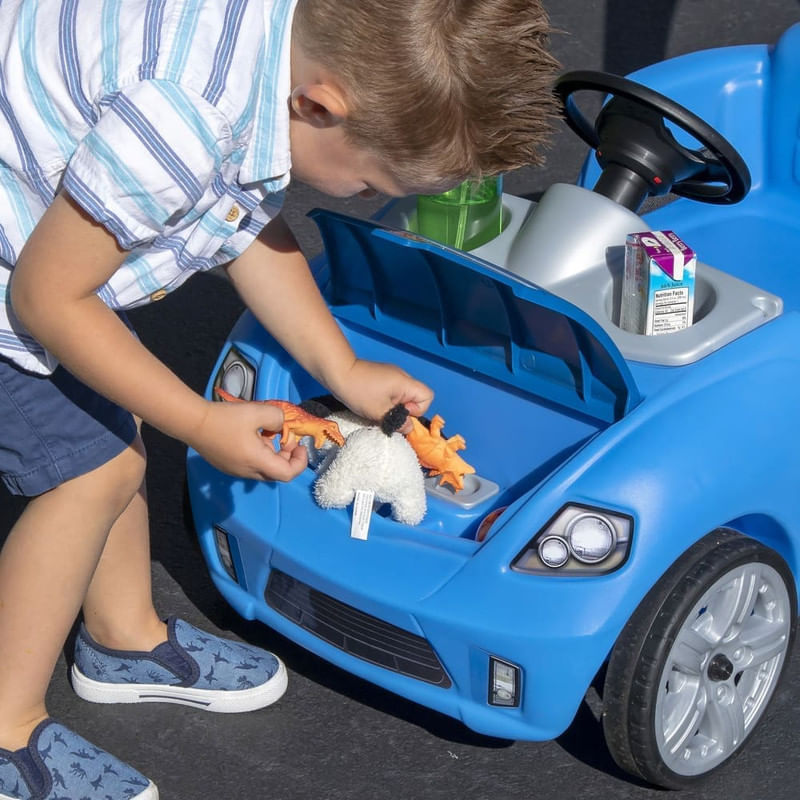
(670, 310)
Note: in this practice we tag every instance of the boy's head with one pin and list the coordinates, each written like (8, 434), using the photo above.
(434, 91)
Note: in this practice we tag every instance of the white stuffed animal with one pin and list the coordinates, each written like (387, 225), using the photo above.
(371, 460)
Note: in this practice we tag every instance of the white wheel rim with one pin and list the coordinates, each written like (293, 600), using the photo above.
(722, 669)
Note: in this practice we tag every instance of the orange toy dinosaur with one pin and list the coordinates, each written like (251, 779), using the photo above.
(438, 454)
(296, 423)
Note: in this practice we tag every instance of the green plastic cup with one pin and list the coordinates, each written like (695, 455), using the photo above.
(465, 217)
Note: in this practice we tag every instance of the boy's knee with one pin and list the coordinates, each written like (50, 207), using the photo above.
(115, 483)
(130, 467)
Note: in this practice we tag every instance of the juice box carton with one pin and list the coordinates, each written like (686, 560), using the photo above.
(658, 284)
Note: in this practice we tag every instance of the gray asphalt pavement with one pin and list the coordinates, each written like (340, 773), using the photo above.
(332, 735)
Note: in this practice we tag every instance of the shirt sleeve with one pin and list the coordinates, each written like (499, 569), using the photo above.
(151, 162)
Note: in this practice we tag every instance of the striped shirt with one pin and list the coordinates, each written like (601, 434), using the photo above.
(166, 120)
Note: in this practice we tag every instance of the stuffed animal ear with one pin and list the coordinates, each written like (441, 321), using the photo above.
(394, 419)
(323, 406)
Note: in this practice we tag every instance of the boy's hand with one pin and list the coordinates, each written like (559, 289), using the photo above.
(229, 438)
(371, 388)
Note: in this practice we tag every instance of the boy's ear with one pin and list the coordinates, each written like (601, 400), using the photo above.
(320, 104)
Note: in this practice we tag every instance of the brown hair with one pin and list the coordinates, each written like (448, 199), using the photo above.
(441, 89)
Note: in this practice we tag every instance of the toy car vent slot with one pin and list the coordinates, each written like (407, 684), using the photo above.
(473, 315)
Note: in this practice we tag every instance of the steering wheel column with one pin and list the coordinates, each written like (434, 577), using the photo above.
(639, 155)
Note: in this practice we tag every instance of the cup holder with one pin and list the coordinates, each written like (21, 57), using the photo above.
(476, 490)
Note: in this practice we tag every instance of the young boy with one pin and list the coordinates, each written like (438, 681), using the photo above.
(143, 140)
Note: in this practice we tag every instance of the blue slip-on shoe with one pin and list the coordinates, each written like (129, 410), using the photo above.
(192, 668)
(58, 764)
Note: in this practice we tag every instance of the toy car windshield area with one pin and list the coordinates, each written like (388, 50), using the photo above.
(634, 508)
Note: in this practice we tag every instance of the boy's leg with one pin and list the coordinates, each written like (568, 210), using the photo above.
(123, 638)
(118, 610)
(45, 569)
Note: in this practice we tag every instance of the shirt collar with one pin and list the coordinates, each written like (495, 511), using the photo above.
(267, 157)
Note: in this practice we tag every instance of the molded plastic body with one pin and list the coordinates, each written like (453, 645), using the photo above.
(683, 433)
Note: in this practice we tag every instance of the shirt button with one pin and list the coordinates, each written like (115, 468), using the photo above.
(233, 214)
(160, 294)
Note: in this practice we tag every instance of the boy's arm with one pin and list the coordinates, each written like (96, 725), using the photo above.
(53, 292)
(274, 280)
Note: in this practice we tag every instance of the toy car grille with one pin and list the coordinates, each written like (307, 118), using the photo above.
(353, 631)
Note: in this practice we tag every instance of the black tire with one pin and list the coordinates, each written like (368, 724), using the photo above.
(655, 704)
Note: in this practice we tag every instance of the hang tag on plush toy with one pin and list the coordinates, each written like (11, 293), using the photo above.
(362, 513)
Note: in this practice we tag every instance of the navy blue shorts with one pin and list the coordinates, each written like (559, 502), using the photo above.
(54, 428)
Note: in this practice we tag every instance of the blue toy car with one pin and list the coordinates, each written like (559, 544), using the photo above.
(644, 491)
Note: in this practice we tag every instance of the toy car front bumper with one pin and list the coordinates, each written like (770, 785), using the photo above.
(420, 614)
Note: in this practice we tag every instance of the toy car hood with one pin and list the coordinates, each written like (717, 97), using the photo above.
(471, 314)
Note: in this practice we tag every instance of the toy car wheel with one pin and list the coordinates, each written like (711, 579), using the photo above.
(697, 664)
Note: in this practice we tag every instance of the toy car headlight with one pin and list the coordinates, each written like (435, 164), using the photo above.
(236, 375)
(591, 538)
(578, 540)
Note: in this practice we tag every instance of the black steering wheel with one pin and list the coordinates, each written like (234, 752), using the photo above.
(639, 155)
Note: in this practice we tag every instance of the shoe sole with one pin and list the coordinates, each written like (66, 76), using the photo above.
(224, 702)
(150, 793)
